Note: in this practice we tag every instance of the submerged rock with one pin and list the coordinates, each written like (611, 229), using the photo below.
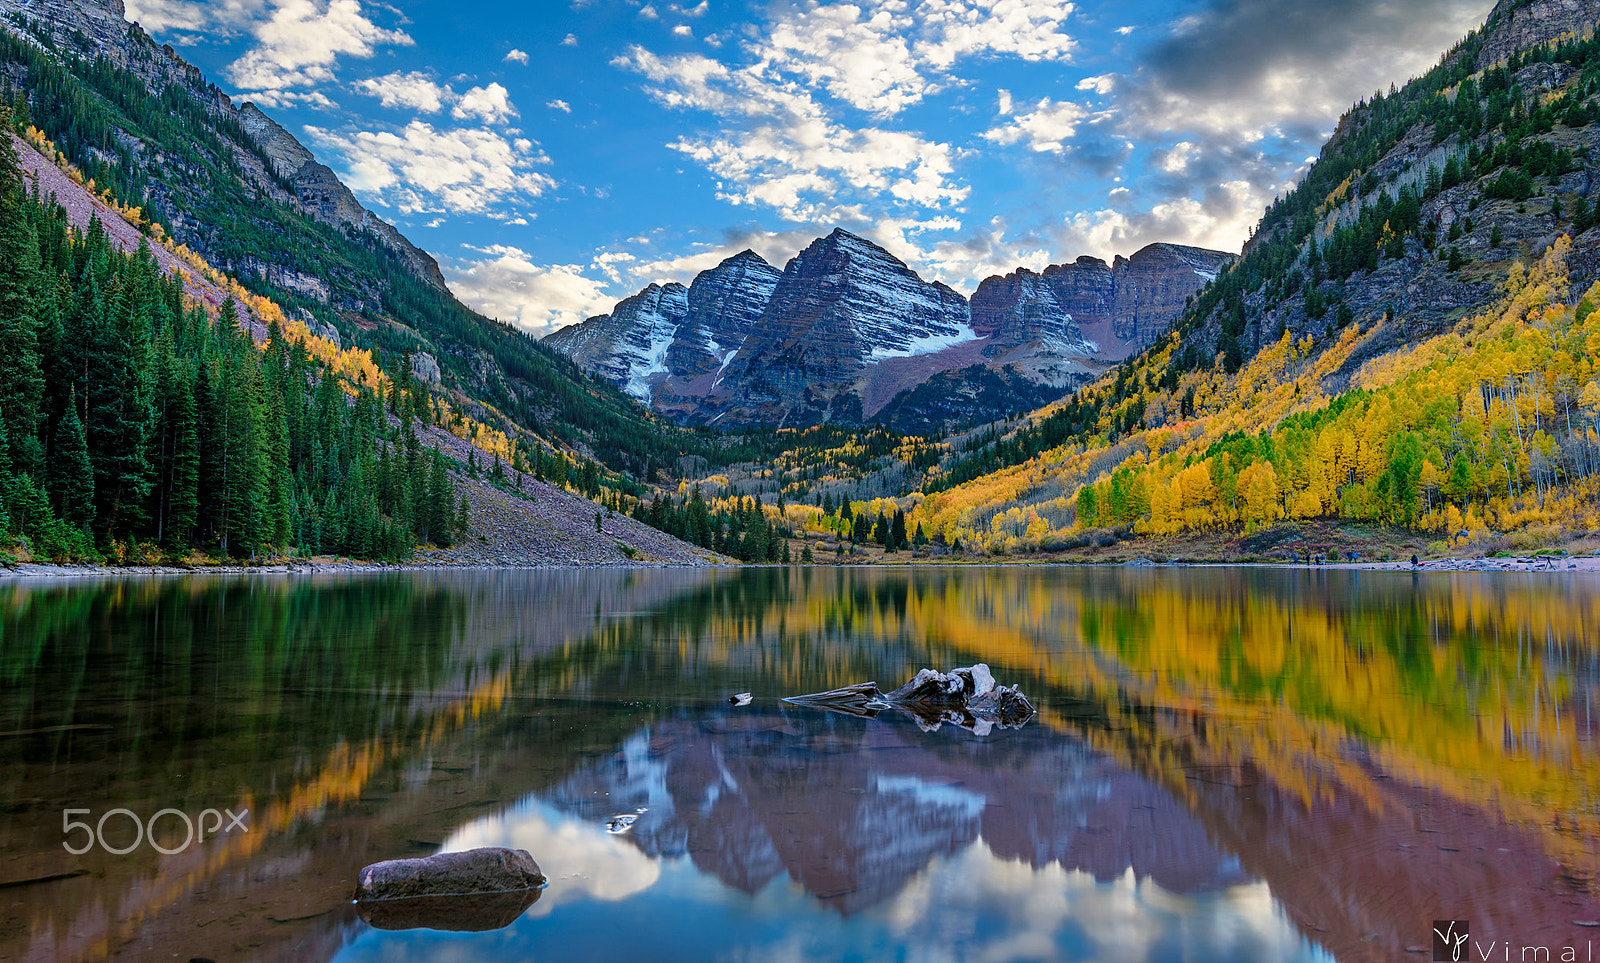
(492, 870)
(473, 913)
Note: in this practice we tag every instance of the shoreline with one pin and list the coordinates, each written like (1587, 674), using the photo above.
(23, 570)
(1577, 565)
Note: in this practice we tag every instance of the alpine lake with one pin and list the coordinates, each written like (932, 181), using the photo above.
(1226, 764)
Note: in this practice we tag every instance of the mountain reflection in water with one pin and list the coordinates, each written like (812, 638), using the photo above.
(1226, 764)
(870, 839)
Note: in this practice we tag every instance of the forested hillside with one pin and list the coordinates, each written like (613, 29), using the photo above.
(130, 418)
(146, 128)
(1407, 341)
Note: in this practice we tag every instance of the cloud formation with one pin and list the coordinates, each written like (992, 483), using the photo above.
(423, 170)
(418, 91)
(185, 21)
(301, 42)
(784, 140)
(491, 104)
(505, 283)
(1226, 107)
(1046, 127)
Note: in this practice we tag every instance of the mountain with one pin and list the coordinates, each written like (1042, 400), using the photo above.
(848, 333)
(845, 324)
(664, 345)
(153, 237)
(1409, 340)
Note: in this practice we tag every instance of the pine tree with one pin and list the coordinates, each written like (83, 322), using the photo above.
(71, 472)
(21, 378)
(175, 446)
(441, 495)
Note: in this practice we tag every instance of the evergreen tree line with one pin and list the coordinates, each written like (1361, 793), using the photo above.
(129, 420)
(887, 529)
(744, 532)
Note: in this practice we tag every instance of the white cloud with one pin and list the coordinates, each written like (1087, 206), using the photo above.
(606, 262)
(1046, 128)
(560, 105)
(864, 62)
(518, 56)
(648, 12)
(1102, 85)
(417, 91)
(695, 11)
(300, 44)
(414, 90)
(886, 57)
(683, 30)
(1126, 30)
(1220, 220)
(1029, 29)
(570, 40)
(491, 103)
(274, 99)
(216, 19)
(423, 170)
(782, 139)
(1177, 159)
(539, 298)
(784, 152)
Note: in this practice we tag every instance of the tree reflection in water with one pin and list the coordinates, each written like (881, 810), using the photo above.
(1282, 756)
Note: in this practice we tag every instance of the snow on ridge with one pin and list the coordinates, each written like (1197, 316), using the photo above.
(926, 344)
(654, 321)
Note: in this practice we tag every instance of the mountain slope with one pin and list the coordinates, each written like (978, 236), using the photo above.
(1406, 341)
(665, 345)
(234, 187)
(135, 414)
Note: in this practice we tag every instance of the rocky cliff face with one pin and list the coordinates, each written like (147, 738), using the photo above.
(319, 192)
(98, 28)
(1516, 25)
(845, 322)
(1122, 307)
(665, 344)
(850, 333)
(629, 345)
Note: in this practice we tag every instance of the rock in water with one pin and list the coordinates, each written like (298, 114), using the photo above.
(954, 688)
(492, 870)
(477, 913)
(967, 697)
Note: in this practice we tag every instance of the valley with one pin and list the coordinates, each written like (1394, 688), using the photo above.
(1407, 341)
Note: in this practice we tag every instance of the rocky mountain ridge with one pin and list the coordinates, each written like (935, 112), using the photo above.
(848, 332)
(316, 190)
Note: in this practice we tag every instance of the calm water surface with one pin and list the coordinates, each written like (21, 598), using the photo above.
(1226, 764)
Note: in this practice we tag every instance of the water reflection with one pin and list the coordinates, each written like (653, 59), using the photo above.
(859, 839)
(1239, 764)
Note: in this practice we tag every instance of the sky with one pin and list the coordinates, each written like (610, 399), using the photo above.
(557, 157)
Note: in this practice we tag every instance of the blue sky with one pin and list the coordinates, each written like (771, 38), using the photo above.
(556, 157)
